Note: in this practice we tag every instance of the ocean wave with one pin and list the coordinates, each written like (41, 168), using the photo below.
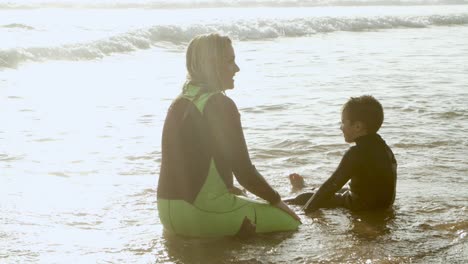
(165, 4)
(261, 29)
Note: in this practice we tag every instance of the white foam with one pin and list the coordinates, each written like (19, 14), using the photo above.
(243, 30)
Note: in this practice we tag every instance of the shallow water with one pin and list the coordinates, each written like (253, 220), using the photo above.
(80, 147)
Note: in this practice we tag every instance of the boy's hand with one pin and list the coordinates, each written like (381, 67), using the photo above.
(297, 181)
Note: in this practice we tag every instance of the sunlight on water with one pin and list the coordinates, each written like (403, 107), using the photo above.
(83, 101)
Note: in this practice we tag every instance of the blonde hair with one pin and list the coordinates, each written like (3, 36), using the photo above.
(203, 60)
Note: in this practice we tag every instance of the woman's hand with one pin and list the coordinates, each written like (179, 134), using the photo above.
(282, 206)
(236, 191)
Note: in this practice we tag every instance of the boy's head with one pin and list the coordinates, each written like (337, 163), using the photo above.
(361, 116)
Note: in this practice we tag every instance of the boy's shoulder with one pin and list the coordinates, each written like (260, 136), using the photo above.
(372, 146)
(352, 154)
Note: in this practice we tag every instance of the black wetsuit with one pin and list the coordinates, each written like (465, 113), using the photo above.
(191, 139)
(372, 169)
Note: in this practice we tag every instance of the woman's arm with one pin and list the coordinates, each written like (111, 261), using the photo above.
(225, 121)
(229, 135)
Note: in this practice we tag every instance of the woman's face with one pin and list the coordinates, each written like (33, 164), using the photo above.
(228, 68)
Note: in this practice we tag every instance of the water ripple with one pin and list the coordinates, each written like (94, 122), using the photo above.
(266, 108)
(7, 158)
(17, 25)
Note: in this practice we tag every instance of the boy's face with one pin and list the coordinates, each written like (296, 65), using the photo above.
(351, 130)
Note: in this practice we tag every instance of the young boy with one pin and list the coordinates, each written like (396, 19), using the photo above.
(370, 164)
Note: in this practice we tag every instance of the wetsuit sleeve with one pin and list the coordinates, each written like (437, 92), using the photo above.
(336, 181)
(233, 144)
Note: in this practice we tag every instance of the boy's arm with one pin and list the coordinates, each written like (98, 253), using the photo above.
(336, 181)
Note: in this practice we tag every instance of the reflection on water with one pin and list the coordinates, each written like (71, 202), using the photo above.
(222, 250)
(189, 250)
(371, 225)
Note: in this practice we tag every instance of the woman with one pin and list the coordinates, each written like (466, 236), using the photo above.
(203, 146)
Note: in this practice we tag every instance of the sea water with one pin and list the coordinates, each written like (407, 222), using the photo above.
(85, 87)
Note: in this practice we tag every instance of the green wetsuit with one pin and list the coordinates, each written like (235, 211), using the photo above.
(202, 147)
